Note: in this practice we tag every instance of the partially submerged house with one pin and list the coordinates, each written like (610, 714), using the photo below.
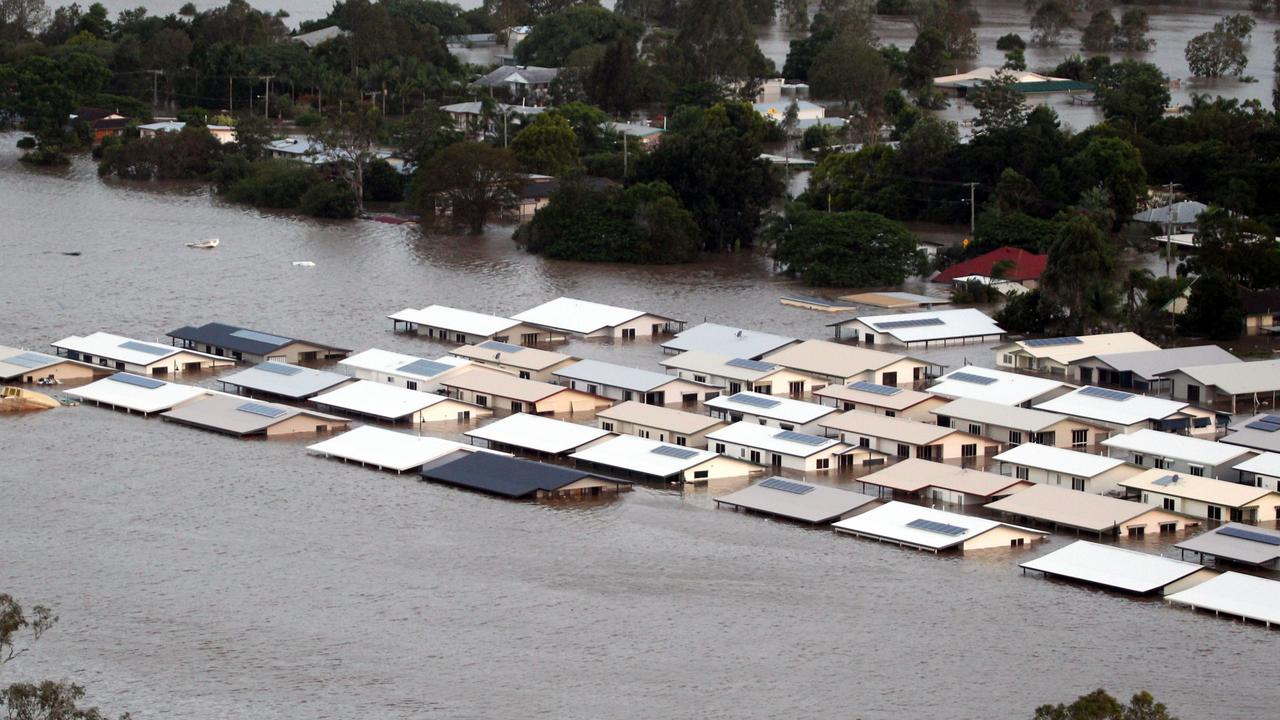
(281, 380)
(1015, 425)
(896, 437)
(934, 328)
(1262, 471)
(253, 346)
(1261, 311)
(936, 482)
(1062, 508)
(136, 356)
(538, 435)
(778, 412)
(777, 449)
(1251, 384)
(580, 318)
(515, 478)
(28, 366)
(1260, 433)
(1143, 371)
(735, 374)
(729, 341)
(1007, 264)
(656, 422)
(1084, 472)
(242, 418)
(997, 386)
(881, 399)
(388, 449)
(798, 501)
(844, 364)
(621, 383)
(1118, 568)
(1235, 594)
(400, 370)
(1124, 412)
(1057, 355)
(1024, 81)
(1204, 497)
(500, 391)
(137, 394)
(464, 327)
(924, 528)
(393, 404)
(653, 461)
(523, 362)
(1236, 543)
(1181, 453)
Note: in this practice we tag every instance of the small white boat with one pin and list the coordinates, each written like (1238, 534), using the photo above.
(204, 244)
(303, 263)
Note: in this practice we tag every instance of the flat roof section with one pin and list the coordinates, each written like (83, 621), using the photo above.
(504, 475)
(455, 320)
(1233, 593)
(409, 366)
(1148, 364)
(387, 449)
(290, 381)
(859, 422)
(832, 359)
(118, 347)
(932, 325)
(1237, 378)
(726, 340)
(919, 527)
(1260, 432)
(1056, 459)
(1237, 542)
(770, 406)
(1112, 406)
(794, 500)
(992, 413)
(1268, 463)
(1114, 567)
(869, 393)
(643, 456)
(1195, 487)
(577, 316)
(138, 394)
(15, 362)
(517, 356)
(538, 433)
(771, 439)
(1071, 508)
(995, 386)
(620, 376)
(380, 400)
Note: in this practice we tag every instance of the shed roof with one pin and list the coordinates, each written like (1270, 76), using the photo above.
(390, 402)
(387, 448)
(455, 320)
(611, 375)
(899, 522)
(502, 475)
(771, 439)
(770, 406)
(890, 428)
(1237, 594)
(493, 382)
(882, 396)
(991, 413)
(408, 366)
(1114, 406)
(1237, 542)
(15, 362)
(1268, 463)
(1261, 436)
(644, 456)
(1023, 265)
(1179, 447)
(139, 394)
(237, 338)
(236, 415)
(1071, 508)
(1061, 460)
(1148, 364)
(914, 475)
(118, 347)
(1112, 566)
(1195, 487)
(1067, 349)
(832, 359)
(995, 386)
(795, 500)
(657, 416)
(526, 358)
(725, 340)
(538, 433)
(285, 380)
(931, 325)
(577, 316)
(1237, 378)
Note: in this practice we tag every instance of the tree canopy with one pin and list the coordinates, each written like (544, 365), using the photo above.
(843, 249)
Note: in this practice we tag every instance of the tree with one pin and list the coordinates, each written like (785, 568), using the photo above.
(715, 41)
(1216, 53)
(351, 141)
(547, 146)
(19, 19)
(1027, 313)
(1132, 35)
(1214, 309)
(423, 133)
(1100, 34)
(925, 60)
(855, 73)
(1010, 41)
(1237, 248)
(1132, 91)
(1051, 19)
(999, 104)
(1077, 276)
(611, 80)
(472, 180)
(846, 249)
(954, 20)
(557, 36)
(1015, 59)
(1114, 165)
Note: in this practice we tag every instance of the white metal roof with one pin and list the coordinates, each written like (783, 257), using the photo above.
(890, 522)
(834, 359)
(815, 504)
(112, 347)
(115, 391)
(780, 408)
(1179, 447)
(1267, 463)
(1237, 378)
(1149, 364)
(1006, 388)
(635, 454)
(387, 448)
(378, 399)
(701, 361)
(963, 322)
(990, 413)
(771, 439)
(1263, 437)
(393, 363)
(1235, 593)
(1112, 566)
(1082, 346)
(298, 382)
(898, 399)
(611, 375)
(1133, 409)
(1196, 487)
(577, 316)
(537, 433)
(26, 361)
(1056, 459)
(725, 340)
(455, 320)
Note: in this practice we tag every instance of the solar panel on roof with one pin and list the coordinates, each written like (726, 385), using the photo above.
(775, 483)
(499, 346)
(264, 410)
(938, 527)
(804, 438)
(1050, 342)
(918, 322)
(970, 378)
(1263, 426)
(875, 388)
(1243, 534)
(1104, 393)
(1271, 419)
(279, 369)
(261, 337)
(754, 400)
(143, 347)
(29, 360)
(1166, 480)
(429, 368)
(675, 452)
(750, 364)
(138, 380)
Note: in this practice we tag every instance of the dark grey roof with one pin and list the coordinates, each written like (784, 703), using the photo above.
(521, 74)
(1239, 549)
(236, 338)
(503, 475)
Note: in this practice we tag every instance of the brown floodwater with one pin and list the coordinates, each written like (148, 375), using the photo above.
(203, 577)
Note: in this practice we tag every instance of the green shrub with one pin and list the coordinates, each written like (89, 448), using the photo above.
(329, 200)
(274, 184)
(308, 119)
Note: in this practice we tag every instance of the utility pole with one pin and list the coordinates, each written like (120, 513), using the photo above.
(972, 211)
(1168, 234)
(624, 157)
(266, 110)
(231, 94)
(155, 87)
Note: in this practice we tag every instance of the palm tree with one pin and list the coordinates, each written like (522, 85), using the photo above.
(1136, 283)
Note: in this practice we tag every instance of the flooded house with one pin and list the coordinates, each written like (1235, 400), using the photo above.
(1056, 355)
(655, 422)
(389, 450)
(1262, 471)
(281, 380)
(1235, 543)
(136, 356)
(933, 328)
(997, 386)
(1016, 425)
(936, 531)
(523, 362)
(935, 482)
(888, 400)
(584, 319)
(517, 479)
(843, 364)
(1062, 508)
(538, 435)
(1143, 371)
(464, 327)
(1126, 413)
(1251, 384)
(394, 404)
(726, 340)
(28, 367)
(242, 418)
(1204, 497)
(137, 394)
(652, 461)
(1118, 568)
(777, 449)
(778, 412)
(501, 391)
(1080, 471)
(252, 346)
(735, 374)
(1180, 453)
(900, 438)
(621, 384)
(406, 371)
(798, 501)
(1234, 594)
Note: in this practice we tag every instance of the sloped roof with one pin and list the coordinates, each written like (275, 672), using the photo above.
(1025, 265)
(827, 358)
(894, 521)
(15, 362)
(118, 347)
(1130, 410)
(494, 382)
(1068, 349)
(1235, 593)
(577, 316)
(519, 74)
(526, 358)
(931, 325)
(1237, 378)
(914, 475)
(1070, 508)
(889, 428)
(818, 504)
(1254, 438)
(383, 400)
(1112, 566)
(1056, 459)
(538, 433)
(123, 390)
(237, 415)
(1239, 543)
(638, 455)
(408, 366)
(1195, 487)
(620, 376)
(1148, 364)
(238, 338)
(657, 416)
(285, 380)
(1186, 211)
(1179, 447)
(771, 439)
(770, 406)
(898, 399)
(455, 320)
(725, 340)
(502, 475)
(990, 413)
(996, 386)
(387, 448)
(701, 361)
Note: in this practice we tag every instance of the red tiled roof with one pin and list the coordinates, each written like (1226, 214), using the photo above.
(1026, 265)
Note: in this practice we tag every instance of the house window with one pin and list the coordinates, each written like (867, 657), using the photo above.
(1017, 542)
(1008, 358)
(796, 388)
(593, 389)
(1168, 503)
(524, 375)
(1079, 438)
(1159, 463)
(735, 388)
(390, 379)
(785, 426)
(865, 442)
(626, 395)
(1015, 437)
(904, 450)
(606, 426)
(824, 463)
(698, 474)
(1214, 513)
(643, 433)
(1022, 473)
(119, 365)
(411, 384)
(460, 337)
(970, 450)
(762, 421)
(775, 460)
(628, 333)
(700, 378)
(1077, 484)
(763, 389)
(1139, 459)
(850, 406)
(720, 448)
(1237, 515)
(755, 456)
(681, 441)
(1137, 531)
(1197, 470)
(1168, 527)
(890, 413)
(482, 400)
(517, 407)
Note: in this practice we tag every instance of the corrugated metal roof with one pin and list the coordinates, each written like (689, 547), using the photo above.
(394, 363)
(1268, 463)
(500, 384)
(387, 448)
(1136, 409)
(455, 320)
(859, 422)
(892, 521)
(136, 397)
(961, 323)
(383, 400)
(117, 347)
(635, 454)
(1237, 594)
(1056, 459)
(770, 439)
(224, 413)
(525, 358)
(237, 338)
(1111, 566)
(785, 410)
(1232, 547)
(1147, 365)
(1071, 508)
(1180, 447)
(1126, 343)
(300, 385)
(1195, 487)
(833, 359)
(1006, 389)
(914, 475)
(507, 476)
(577, 316)
(15, 362)
(725, 340)
(818, 505)
(537, 433)
(990, 413)
(1237, 378)
(657, 416)
(619, 376)
(714, 364)
(1244, 436)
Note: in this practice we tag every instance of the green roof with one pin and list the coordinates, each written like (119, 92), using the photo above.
(1048, 86)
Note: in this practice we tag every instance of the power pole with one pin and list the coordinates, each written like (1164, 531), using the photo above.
(972, 211)
(624, 157)
(231, 94)
(266, 110)
(155, 87)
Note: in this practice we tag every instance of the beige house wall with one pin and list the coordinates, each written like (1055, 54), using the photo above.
(1189, 581)
(1002, 536)
(62, 372)
(570, 401)
(719, 467)
(779, 383)
(1151, 521)
(177, 364)
(789, 462)
(905, 369)
(543, 375)
(303, 424)
(449, 410)
(1267, 507)
(585, 486)
(696, 440)
(643, 325)
(519, 334)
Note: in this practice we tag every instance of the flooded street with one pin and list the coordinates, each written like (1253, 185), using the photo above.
(207, 578)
